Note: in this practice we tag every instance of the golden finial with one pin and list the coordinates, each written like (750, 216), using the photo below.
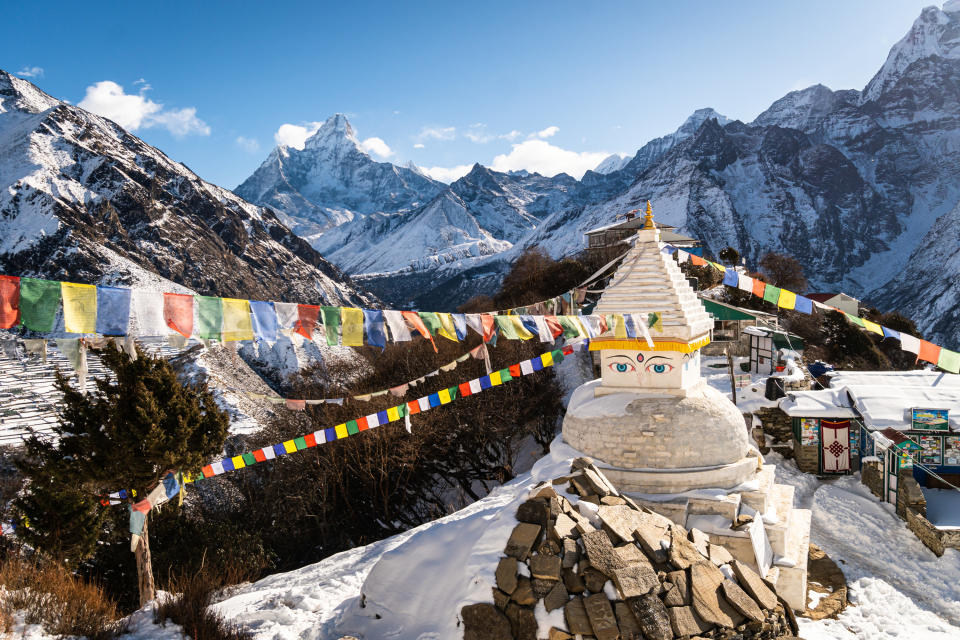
(648, 221)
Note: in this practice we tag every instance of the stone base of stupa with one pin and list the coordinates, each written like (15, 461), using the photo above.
(690, 460)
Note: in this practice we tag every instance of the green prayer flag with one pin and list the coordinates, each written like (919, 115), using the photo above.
(557, 356)
(771, 294)
(431, 320)
(209, 317)
(39, 300)
(855, 320)
(453, 392)
(949, 360)
(249, 459)
(331, 325)
(505, 375)
(300, 443)
(570, 329)
(353, 428)
(507, 329)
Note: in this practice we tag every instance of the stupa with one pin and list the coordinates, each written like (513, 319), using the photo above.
(672, 442)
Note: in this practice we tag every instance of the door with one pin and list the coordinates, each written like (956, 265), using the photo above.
(892, 458)
(835, 445)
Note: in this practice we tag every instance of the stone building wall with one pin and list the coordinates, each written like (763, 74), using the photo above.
(909, 494)
(871, 474)
(807, 457)
(776, 424)
(928, 534)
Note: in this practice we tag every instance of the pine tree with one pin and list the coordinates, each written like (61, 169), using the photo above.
(126, 434)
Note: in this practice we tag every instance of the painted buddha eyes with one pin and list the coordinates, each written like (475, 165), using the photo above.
(622, 367)
(659, 367)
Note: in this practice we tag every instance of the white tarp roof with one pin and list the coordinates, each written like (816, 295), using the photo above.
(829, 403)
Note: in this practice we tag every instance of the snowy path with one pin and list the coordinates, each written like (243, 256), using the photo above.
(900, 588)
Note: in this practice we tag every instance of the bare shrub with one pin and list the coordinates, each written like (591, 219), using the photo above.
(189, 606)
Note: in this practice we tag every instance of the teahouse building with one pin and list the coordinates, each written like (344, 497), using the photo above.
(669, 440)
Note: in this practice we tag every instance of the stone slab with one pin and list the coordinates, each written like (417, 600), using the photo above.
(705, 581)
(701, 541)
(602, 619)
(546, 567)
(682, 552)
(685, 622)
(557, 597)
(485, 622)
(573, 581)
(652, 617)
(742, 602)
(629, 629)
(601, 553)
(636, 580)
(534, 512)
(523, 594)
(754, 585)
(681, 581)
(521, 541)
(523, 622)
(506, 575)
(719, 555)
(631, 554)
(571, 554)
(575, 613)
(596, 483)
(564, 527)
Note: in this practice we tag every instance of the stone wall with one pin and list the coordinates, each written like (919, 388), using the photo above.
(807, 457)
(776, 424)
(909, 494)
(928, 534)
(871, 474)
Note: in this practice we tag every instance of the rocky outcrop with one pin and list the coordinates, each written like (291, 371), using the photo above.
(617, 570)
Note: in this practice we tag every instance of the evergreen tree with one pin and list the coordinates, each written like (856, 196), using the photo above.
(125, 434)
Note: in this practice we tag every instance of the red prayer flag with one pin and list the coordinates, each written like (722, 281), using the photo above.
(759, 286)
(310, 439)
(489, 326)
(697, 260)
(258, 456)
(515, 370)
(143, 506)
(413, 319)
(567, 350)
(207, 471)
(413, 407)
(178, 312)
(929, 352)
(9, 302)
(296, 405)
(307, 315)
(554, 325)
(362, 424)
(465, 389)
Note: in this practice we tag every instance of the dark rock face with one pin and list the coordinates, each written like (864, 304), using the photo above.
(84, 200)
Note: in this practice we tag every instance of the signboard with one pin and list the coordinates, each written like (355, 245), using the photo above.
(743, 380)
(854, 441)
(929, 420)
(951, 450)
(809, 431)
(930, 450)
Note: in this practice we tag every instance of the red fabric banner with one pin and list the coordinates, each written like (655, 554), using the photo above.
(759, 286)
(489, 326)
(554, 325)
(9, 302)
(413, 319)
(697, 260)
(178, 312)
(307, 315)
(413, 407)
(465, 389)
(929, 352)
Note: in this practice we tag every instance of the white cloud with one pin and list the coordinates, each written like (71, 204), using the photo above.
(438, 133)
(133, 111)
(477, 133)
(419, 145)
(294, 135)
(247, 144)
(31, 72)
(511, 136)
(447, 174)
(546, 133)
(547, 159)
(377, 147)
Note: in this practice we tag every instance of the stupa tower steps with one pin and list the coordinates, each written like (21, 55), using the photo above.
(675, 444)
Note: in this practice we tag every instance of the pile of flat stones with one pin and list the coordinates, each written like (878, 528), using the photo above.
(618, 571)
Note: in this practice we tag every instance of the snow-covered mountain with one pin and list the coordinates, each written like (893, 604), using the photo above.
(81, 199)
(332, 180)
(612, 163)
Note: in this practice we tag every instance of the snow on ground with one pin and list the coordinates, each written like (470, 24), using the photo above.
(900, 589)
(715, 371)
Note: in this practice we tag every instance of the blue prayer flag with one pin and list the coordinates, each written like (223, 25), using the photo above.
(730, 277)
(280, 450)
(434, 400)
(460, 324)
(264, 317)
(530, 324)
(171, 486)
(803, 305)
(373, 328)
(890, 333)
(537, 363)
(485, 382)
(382, 417)
(113, 311)
(331, 434)
(227, 464)
(630, 325)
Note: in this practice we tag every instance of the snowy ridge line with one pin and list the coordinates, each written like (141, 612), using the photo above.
(938, 356)
(378, 419)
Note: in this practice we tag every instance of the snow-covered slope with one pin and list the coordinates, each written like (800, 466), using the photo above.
(612, 163)
(332, 180)
(83, 200)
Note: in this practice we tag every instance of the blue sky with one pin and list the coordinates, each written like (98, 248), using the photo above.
(540, 85)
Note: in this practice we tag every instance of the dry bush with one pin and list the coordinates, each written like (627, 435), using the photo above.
(189, 606)
(50, 596)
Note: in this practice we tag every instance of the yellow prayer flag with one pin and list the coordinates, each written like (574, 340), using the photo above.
(620, 327)
(238, 462)
(787, 299)
(444, 396)
(79, 307)
(236, 320)
(351, 321)
(290, 446)
(447, 329)
(495, 379)
(341, 431)
(521, 330)
(872, 326)
(547, 359)
(393, 414)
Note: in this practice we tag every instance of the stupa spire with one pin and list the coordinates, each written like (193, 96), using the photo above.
(648, 220)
